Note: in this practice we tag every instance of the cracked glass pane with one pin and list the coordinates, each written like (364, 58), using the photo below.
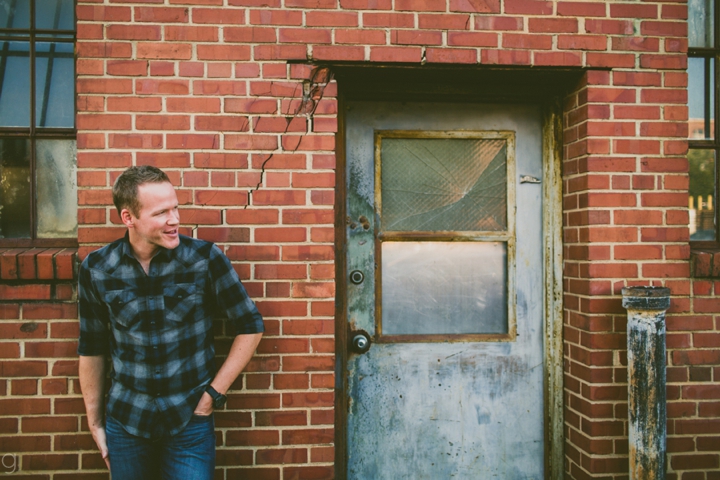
(444, 184)
(449, 288)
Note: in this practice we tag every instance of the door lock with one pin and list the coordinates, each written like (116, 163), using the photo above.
(357, 277)
(360, 342)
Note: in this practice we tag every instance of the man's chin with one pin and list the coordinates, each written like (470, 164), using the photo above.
(171, 241)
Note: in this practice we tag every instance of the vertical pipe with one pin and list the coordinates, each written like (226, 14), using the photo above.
(647, 413)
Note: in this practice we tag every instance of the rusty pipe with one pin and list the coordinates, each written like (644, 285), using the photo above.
(647, 411)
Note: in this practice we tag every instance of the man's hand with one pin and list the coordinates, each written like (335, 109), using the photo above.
(98, 434)
(204, 406)
(92, 379)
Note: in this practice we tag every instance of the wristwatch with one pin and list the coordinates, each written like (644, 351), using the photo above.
(218, 398)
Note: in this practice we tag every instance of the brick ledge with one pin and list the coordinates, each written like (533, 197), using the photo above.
(38, 263)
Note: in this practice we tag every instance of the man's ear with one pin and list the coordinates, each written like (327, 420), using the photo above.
(127, 218)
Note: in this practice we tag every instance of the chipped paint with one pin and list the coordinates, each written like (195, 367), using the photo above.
(646, 381)
(429, 410)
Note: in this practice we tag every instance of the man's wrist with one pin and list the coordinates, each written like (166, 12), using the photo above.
(218, 399)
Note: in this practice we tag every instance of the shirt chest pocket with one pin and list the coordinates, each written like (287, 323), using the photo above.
(181, 301)
(123, 306)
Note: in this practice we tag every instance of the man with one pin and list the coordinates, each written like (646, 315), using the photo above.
(148, 301)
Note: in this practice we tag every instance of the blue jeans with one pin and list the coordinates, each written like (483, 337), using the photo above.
(189, 455)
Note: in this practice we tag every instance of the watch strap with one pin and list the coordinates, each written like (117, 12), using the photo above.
(218, 398)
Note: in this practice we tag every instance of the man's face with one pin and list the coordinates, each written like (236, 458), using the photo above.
(156, 224)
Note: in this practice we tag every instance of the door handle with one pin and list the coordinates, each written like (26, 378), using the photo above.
(359, 341)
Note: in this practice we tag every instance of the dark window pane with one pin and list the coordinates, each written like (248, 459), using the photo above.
(54, 85)
(15, 14)
(15, 91)
(701, 97)
(54, 15)
(56, 171)
(700, 23)
(444, 288)
(702, 194)
(14, 187)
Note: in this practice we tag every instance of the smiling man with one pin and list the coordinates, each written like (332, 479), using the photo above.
(147, 301)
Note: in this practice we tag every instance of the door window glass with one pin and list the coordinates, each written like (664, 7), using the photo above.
(441, 288)
(441, 184)
(446, 234)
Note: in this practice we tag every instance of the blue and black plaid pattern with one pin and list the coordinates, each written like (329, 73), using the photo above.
(157, 328)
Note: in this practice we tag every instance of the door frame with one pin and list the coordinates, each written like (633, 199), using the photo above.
(552, 145)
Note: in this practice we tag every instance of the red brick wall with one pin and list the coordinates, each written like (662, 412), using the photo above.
(204, 90)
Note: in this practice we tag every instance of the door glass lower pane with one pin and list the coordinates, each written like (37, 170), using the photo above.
(444, 288)
(14, 188)
(56, 169)
(702, 194)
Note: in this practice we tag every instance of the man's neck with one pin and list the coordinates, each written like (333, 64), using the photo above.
(143, 253)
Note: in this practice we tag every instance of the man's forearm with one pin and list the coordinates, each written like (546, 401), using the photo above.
(92, 383)
(241, 351)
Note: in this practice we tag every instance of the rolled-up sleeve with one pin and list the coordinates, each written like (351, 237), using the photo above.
(94, 333)
(232, 301)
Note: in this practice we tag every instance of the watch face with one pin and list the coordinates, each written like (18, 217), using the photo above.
(219, 402)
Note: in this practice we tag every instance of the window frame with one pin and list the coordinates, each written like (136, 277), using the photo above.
(33, 132)
(712, 144)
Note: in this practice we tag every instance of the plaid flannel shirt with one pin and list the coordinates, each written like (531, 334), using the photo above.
(157, 328)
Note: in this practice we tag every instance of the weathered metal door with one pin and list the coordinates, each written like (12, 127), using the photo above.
(444, 255)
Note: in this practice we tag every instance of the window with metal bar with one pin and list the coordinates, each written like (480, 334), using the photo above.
(703, 69)
(38, 159)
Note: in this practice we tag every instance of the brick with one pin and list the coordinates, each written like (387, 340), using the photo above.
(505, 57)
(276, 17)
(218, 87)
(191, 34)
(395, 54)
(307, 436)
(99, 13)
(472, 39)
(663, 29)
(152, 86)
(126, 68)
(103, 50)
(167, 51)
(281, 456)
(162, 14)
(527, 41)
(223, 52)
(443, 21)
(582, 42)
(552, 25)
(249, 35)
(531, 7)
(134, 104)
(416, 37)
(475, 6)
(133, 32)
(224, 16)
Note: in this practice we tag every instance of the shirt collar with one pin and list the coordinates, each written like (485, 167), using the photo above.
(163, 254)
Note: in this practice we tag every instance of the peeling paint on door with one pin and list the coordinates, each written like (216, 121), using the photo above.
(464, 408)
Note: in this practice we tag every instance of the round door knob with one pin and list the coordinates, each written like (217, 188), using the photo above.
(360, 342)
(357, 277)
